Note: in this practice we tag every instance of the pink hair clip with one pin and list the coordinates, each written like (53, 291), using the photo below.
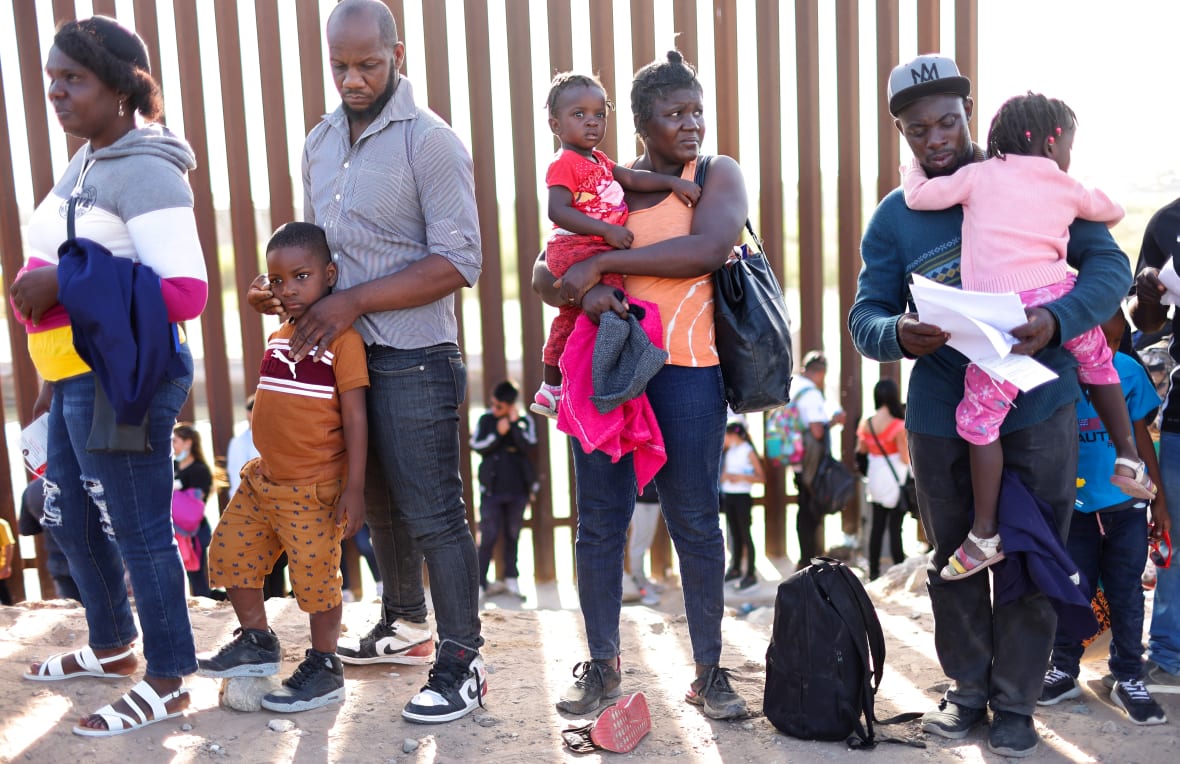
(1051, 141)
(1059, 131)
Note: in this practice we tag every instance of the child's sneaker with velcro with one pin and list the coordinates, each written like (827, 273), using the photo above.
(318, 681)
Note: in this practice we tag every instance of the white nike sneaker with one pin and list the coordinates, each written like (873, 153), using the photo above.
(398, 642)
(457, 684)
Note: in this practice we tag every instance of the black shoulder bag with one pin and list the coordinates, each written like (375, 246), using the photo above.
(751, 328)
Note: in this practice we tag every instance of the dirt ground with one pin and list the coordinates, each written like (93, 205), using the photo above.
(531, 649)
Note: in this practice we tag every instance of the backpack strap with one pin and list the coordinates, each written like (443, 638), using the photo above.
(860, 616)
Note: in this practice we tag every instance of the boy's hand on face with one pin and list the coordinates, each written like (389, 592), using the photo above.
(350, 511)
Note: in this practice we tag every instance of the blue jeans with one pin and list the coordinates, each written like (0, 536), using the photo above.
(1111, 547)
(689, 405)
(1164, 645)
(500, 514)
(111, 510)
(993, 656)
(414, 398)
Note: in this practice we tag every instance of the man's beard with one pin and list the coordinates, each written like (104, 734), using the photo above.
(370, 113)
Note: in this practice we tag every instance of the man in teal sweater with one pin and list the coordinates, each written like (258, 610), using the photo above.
(994, 656)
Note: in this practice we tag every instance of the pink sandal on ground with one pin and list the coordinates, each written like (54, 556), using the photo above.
(620, 727)
(962, 565)
(1139, 486)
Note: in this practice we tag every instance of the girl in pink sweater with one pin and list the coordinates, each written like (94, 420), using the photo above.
(1017, 208)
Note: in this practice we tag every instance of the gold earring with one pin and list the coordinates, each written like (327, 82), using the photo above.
(121, 108)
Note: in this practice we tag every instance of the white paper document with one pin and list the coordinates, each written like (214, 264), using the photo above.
(34, 441)
(979, 324)
(1171, 280)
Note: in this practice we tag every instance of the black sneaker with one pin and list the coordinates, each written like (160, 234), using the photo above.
(398, 642)
(714, 693)
(456, 685)
(252, 652)
(746, 584)
(1134, 699)
(318, 681)
(1012, 735)
(595, 682)
(732, 575)
(951, 720)
(1057, 686)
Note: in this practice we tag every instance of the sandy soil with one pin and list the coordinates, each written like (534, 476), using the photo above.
(531, 648)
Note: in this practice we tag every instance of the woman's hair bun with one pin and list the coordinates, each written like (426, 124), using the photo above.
(674, 57)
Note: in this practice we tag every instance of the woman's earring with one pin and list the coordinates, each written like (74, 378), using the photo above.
(121, 112)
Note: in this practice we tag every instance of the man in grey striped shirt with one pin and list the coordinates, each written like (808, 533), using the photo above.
(392, 185)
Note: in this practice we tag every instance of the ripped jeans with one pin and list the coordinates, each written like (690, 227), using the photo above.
(111, 510)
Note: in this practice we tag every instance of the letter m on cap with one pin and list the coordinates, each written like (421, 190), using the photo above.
(925, 74)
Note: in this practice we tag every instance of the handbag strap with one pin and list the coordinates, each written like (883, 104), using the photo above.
(877, 440)
(699, 178)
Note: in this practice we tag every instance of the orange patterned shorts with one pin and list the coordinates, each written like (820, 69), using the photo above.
(265, 519)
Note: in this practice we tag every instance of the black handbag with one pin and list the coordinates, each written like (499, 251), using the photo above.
(751, 329)
(833, 486)
(106, 434)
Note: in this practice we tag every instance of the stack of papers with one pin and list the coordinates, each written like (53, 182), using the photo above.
(979, 324)
(1171, 280)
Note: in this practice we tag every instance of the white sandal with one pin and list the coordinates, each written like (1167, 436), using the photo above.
(119, 722)
(52, 669)
(1139, 486)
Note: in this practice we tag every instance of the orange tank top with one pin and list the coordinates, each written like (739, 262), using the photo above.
(686, 305)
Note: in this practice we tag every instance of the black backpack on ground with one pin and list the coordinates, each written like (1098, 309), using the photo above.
(826, 659)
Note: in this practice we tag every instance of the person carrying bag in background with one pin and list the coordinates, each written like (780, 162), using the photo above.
(882, 438)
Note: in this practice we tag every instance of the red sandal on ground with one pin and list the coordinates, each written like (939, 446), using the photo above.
(620, 727)
(961, 564)
(1139, 485)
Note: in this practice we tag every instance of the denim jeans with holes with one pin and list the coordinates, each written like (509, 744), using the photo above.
(111, 510)
(689, 405)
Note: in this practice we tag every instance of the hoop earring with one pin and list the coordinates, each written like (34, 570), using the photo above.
(121, 112)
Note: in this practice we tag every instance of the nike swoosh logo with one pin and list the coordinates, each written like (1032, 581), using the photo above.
(471, 691)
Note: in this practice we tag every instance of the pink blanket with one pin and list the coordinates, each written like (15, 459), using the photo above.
(629, 428)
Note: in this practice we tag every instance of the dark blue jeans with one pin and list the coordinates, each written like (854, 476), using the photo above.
(1111, 546)
(110, 510)
(414, 398)
(1164, 645)
(993, 656)
(689, 405)
(500, 514)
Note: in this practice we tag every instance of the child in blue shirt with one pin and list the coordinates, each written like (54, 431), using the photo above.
(1108, 542)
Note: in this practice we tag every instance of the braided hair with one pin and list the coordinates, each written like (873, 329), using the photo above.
(658, 79)
(1023, 123)
(563, 81)
(117, 56)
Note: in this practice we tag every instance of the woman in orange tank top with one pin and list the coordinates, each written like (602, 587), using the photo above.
(670, 262)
